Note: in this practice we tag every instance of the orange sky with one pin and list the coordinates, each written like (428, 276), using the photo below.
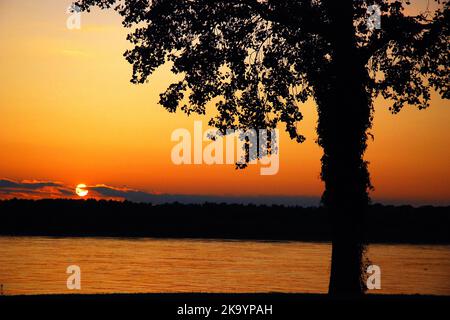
(68, 113)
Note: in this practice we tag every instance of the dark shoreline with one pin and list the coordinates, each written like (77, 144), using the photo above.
(116, 219)
(133, 238)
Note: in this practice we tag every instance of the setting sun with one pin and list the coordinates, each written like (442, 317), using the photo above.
(80, 190)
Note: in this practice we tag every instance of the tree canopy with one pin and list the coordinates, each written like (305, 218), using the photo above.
(262, 58)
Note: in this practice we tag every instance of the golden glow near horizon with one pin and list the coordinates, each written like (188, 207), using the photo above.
(69, 113)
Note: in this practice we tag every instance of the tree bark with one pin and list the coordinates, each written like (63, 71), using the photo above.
(344, 108)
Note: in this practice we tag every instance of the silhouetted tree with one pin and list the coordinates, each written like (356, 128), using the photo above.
(260, 58)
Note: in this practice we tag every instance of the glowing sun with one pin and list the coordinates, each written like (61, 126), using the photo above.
(80, 190)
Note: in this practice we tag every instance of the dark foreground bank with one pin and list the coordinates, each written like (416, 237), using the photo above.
(229, 306)
(400, 224)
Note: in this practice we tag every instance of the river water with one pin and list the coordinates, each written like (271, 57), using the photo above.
(37, 265)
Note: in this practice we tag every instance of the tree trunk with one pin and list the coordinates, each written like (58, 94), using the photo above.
(344, 108)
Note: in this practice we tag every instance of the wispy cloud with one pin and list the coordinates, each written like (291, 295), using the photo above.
(74, 53)
(33, 189)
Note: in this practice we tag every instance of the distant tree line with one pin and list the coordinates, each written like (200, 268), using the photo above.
(399, 224)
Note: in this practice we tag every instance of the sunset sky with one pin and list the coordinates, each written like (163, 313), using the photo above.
(69, 115)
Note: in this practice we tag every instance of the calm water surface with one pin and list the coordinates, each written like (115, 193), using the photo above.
(37, 265)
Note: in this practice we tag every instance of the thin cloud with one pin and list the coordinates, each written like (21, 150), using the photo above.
(158, 198)
(33, 189)
(74, 53)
